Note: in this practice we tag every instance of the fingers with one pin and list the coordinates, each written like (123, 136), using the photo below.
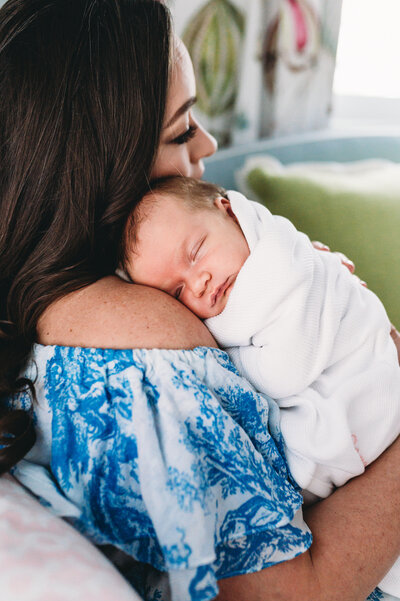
(347, 263)
(396, 339)
(361, 281)
(320, 246)
(345, 260)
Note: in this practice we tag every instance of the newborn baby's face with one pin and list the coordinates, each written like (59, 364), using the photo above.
(193, 255)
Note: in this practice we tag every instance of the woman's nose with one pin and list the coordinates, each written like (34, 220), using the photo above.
(204, 144)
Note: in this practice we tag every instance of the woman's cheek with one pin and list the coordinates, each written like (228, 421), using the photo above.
(166, 163)
(182, 163)
(175, 160)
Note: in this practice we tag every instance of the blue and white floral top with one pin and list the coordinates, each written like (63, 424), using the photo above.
(168, 455)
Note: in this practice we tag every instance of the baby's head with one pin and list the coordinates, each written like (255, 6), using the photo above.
(184, 238)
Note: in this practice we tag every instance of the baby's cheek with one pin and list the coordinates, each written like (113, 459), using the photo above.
(198, 309)
(184, 299)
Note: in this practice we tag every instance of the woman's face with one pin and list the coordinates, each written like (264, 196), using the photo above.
(184, 142)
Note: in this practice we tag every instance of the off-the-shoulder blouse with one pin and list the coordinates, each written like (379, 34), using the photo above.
(168, 455)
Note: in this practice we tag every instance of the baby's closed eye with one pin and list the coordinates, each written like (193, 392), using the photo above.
(177, 292)
(197, 248)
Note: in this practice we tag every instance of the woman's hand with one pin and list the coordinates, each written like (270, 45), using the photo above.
(345, 260)
(350, 266)
(396, 339)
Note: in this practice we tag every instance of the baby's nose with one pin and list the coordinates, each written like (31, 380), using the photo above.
(200, 282)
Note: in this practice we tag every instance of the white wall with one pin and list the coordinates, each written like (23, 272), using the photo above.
(367, 77)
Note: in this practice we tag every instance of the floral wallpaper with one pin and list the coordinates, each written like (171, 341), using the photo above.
(263, 67)
(214, 38)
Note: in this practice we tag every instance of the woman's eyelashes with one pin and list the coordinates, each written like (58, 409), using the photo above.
(185, 136)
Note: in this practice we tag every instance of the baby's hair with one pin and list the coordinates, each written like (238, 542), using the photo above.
(195, 195)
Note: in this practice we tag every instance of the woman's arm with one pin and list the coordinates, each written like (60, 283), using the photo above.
(356, 540)
(114, 314)
(356, 534)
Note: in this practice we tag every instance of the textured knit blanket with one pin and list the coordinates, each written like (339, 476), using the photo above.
(304, 331)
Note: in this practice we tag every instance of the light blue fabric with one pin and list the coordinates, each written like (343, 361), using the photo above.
(168, 455)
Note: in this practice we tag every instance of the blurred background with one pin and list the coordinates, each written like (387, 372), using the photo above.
(267, 68)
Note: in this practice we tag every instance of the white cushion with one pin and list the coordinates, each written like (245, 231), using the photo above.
(42, 558)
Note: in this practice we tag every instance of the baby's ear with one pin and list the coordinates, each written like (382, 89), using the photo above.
(224, 204)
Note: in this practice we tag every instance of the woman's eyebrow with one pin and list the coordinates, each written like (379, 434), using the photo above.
(182, 109)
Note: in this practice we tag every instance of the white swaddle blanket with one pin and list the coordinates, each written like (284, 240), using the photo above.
(304, 331)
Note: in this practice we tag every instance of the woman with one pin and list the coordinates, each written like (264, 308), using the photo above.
(157, 451)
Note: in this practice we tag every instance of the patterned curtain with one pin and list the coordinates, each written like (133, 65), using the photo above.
(263, 67)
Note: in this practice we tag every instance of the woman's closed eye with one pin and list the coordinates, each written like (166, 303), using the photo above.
(185, 136)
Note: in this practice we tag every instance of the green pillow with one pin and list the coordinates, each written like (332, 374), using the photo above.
(351, 207)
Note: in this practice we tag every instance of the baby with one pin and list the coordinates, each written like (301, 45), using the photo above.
(293, 319)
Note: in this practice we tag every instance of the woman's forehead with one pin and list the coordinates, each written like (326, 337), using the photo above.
(179, 51)
(182, 81)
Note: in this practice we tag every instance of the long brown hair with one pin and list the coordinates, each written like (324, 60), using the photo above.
(83, 87)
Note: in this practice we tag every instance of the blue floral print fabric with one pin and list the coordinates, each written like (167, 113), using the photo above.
(171, 457)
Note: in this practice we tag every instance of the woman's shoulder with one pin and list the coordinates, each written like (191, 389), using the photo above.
(112, 313)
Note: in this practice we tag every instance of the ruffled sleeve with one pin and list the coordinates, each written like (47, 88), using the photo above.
(173, 458)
